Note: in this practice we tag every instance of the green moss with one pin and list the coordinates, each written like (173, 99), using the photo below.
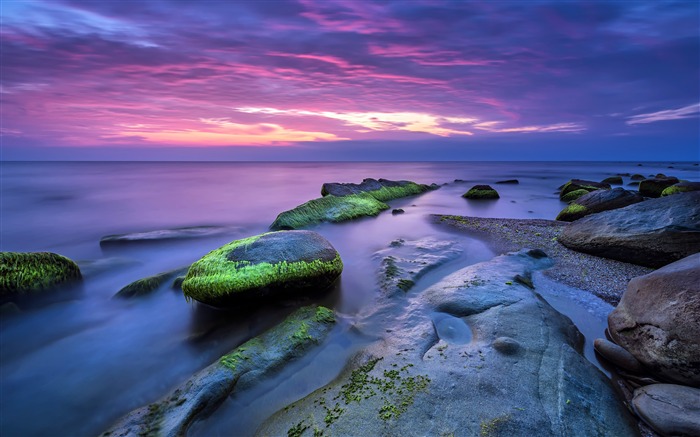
(324, 315)
(389, 193)
(405, 284)
(493, 426)
(34, 272)
(214, 276)
(297, 430)
(476, 193)
(675, 189)
(329, 209)
(573, 195)
(572, 212)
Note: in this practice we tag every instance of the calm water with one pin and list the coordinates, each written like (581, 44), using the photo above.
(74, 367)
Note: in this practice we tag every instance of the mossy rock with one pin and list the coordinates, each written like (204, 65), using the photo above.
(580, 184)
(382, 189)
(34, 273)
(331, 209)
(615, 180)
(573, 195)
(272, 265)
(681, 187)
(572, 212)
(478, 192)
(655, 186)
(145, 286)
(598, 201)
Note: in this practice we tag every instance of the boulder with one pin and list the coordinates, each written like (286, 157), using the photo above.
(479, 192)
(161, 235)
(598, 201)
(509, 182)
(637, 177)
(573, 195)
(382, 189)
(652, 233)
(471, 355)
(397, 211)
(34, 273)
(658, 321)
(681, 187)
(617, 355)
(580, 184)
(613, 180)
(669, 409)
(242, 368)
(329, 209)
(655, 186)
(146, 286)
(268, 266)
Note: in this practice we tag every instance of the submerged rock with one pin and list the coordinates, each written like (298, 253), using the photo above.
(27, 274)
(581, 184)
(652, 233)
(481, 192)
(658, 321)
(672, 410)
(382, 189)
(614, 180)
(164, 235)
(268, 266)
(145, 286)
(397, 211)
(243, 367)
(637, 177)
(509, 181)
(598, 201)
(519, 374)
(655, 186)
(681, 187)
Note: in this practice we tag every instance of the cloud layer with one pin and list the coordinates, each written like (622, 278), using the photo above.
(283, 73)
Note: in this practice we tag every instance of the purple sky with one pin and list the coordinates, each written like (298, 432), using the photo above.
(350, 80)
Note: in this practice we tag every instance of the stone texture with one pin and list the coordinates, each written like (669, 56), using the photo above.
(617, 355)
(598, 201)
(671, 410)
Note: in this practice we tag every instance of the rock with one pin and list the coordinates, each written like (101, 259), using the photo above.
(479, 192)
(164, 235)
(397, 211)
(655, 186)
(145, 286)
(681, 187)
(242, 368)
(263, 267)
(34, 273)
(598, 201)
(329, 209)
(382, 189)
(404, 262)
(573, 195)
(637, 177)
(617, 355)
(614, 180)
(509, 181)
(657, 321)
(672, 410)
(652, 233)
(580, 184)
(633, 184)
(423, 378)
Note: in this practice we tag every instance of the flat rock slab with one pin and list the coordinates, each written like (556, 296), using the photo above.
(669, 409)
(652, 233)
(162, 235)
(381, 189)
(520, 373)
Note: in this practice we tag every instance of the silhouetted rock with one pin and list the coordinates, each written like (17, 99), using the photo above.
(655, 186)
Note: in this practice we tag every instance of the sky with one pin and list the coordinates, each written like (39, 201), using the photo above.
(349, 80)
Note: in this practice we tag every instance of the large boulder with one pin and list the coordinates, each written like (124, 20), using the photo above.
(653, 187)
(658, 321)
(33, 273)
(652, 233)
(598, 201)
(681, 187)
(581, 184)
(478, 192)
(476, 354)
(382, 189)
(670, 409)
(242, 368)
(272, 265)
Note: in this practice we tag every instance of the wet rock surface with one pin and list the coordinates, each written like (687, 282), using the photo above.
(161, 235)
(598, 201)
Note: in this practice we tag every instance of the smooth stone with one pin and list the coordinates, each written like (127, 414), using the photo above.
(671, 410)
(506, 345)
(617, 355)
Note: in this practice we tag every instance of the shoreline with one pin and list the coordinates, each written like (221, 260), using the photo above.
(601, 277)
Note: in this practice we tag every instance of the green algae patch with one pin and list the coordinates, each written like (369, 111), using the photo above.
(275, 264)
(146, 286)
(331, 209)
(389, 193)
(479, 192)
(25, 274)
(572, 212)
(682, 187)
(579, 184)
(573, 195)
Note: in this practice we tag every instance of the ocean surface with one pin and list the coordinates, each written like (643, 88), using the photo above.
(75, 366)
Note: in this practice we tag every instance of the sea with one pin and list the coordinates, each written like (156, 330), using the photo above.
(74, 366)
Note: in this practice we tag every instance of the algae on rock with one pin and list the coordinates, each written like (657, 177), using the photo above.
(33, 273)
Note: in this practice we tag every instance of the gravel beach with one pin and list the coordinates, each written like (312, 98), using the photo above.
(602, 277)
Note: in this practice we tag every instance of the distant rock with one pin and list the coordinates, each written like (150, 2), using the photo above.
(580, 184)
(598, 201)
(652, 233)
(244, 367)
(613, 180)
(633, 184)
(481, 192)
(165, 235)
(509, 181)
(381, 189)
(681, 187)
(264, 267)
(671, 410)
(397, 211)
(31, 274)
(637, 177)
(657, 321)
(655, 186)
(145, 286)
